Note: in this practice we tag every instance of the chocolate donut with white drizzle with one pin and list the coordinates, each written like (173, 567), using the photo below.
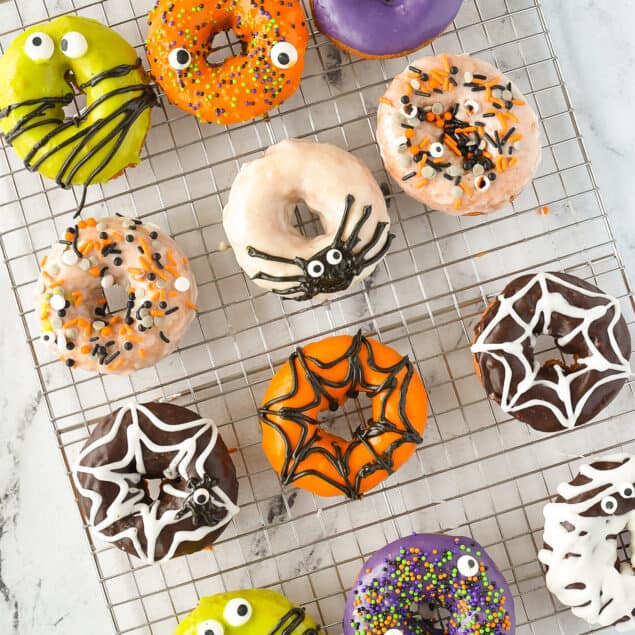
(580, 543)
(584, 321)
(138, 443)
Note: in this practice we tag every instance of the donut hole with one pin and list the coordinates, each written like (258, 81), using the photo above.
(224, 44)
(79, 97)
(433, 616)
(344, 422)
(624, 550)
(547, 354)
(306, 222)
(116, 298)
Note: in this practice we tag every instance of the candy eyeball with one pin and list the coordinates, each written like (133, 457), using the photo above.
(627, 490)
(179, 59)
(482, 183)
(609, 505)
(210, 627)
(284, 55)
(436, 150)
(200, 496)
(315, 269)
(39, 47)
(471, 106)
(467, 566)
(334, 257)
(237, 612)
(74, 45)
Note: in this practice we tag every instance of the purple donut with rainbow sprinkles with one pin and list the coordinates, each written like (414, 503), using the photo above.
(430, 570)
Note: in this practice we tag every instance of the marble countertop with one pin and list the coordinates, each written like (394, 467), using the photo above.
(41, 543)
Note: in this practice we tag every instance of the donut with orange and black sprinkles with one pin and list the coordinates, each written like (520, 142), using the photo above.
(273, 37)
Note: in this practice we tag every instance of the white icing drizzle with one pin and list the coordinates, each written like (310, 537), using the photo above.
(548, 304)
(608, 595)
(130, 498)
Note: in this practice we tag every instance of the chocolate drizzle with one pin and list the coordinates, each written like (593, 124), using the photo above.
(333, 268)
(142, 98)
(277, 416)
(290, 621)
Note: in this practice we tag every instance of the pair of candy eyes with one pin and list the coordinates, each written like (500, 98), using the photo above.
(316, 268)
(283, 55)
(40, 46)
(609, 503)
(237, 612)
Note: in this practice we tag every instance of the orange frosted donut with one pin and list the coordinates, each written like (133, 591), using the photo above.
(322, 376)
(266, 72)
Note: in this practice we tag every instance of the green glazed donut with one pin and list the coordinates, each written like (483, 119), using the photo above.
(248, 612)
(37, 76)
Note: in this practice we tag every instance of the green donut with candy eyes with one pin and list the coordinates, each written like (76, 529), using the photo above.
(38, 74)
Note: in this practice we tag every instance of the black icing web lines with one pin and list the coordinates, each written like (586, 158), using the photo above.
(297, 461)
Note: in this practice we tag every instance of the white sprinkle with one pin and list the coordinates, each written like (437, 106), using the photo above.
(497, 93)
(478, 170)
(100, 227)
(454, 171)
(457, 192)
(84, 264)
(415, 83)
(507, 95)
(144, 312)
(70, 258)
(56, 322)
(156, 245)
(140, 292)
(107, 281)
(93, 260)
(468, 77)
(161, 284)
(71, 334)
(428, 172)
(61, 340)
(58, 302)
(98, 325)
(147, 321)
(182, 284)
(437, 108)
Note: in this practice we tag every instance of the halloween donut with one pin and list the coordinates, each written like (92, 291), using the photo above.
(425, 571)
(581, 543)
(98, 264)
(585, 323)
(323, 376)
(267, 71)
(457, 135)
(38, 74)
(381, 28)
(247, 612)
(339, 188)
(163, 441)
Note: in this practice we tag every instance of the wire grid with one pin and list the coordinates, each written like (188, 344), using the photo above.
(486, 475)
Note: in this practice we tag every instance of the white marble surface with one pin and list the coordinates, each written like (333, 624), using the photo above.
(47, 580)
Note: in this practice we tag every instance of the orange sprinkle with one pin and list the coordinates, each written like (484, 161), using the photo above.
(422, 183)
(172, 270)
(145, 263)
(142, 353)
(385, 100)
(91, 222)
(457, 203)
(189, 305)
(106, 331)
(85, 349)
(43, 261)
(94, 271)
(71, 323)
(114, 365)
(430, 116)
(48, 276)
(57, 283)
(465, 188)
(77, 297)
(157, 313)
(481, 254)
(102, 301)
(545, 210)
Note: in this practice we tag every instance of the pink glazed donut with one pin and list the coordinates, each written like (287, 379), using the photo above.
(383, 28)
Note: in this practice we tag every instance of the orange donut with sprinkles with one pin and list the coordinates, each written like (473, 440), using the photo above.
(273, 35)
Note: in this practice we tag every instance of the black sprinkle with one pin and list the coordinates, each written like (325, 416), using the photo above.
(408, 176)
(163, 337)
(172, 310)
(112, 357)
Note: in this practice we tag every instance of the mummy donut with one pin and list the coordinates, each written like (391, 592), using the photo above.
(98, 264)
(324, 375)
(247, 612)
(382, 28)
(585, 323)
(138, 443)
(273, 37)
(424, 571)
(105, 137)
(580, 550)
(340, 189)
(457, 135)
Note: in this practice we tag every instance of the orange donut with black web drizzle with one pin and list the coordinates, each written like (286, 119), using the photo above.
(273, 36)
(323, 376)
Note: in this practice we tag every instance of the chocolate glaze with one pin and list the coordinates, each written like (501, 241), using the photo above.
(493, 374)
(218, 466)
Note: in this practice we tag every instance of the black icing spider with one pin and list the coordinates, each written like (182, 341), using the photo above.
(201, 502)
(333, 268)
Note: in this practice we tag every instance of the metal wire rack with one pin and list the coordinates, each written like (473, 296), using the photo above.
(478, 472)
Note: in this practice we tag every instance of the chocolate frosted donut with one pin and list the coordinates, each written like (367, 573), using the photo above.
(585, 323)
(161, 441)
(581, 543)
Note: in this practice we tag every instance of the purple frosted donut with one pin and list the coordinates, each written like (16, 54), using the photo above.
(383, 28)
(430, 569)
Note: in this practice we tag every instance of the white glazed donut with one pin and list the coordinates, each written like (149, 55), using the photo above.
(94, 258)
(457, 135)
(335, 185)
(580, 543)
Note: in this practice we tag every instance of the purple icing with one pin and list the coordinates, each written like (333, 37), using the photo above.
(384, 28)
(414, 572)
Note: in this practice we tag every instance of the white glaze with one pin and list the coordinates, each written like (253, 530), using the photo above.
(259, 212)
(130, 499)
(604, 585)
(438, 192)
(548, 304)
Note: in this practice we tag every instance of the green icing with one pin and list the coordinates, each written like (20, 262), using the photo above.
(23, 79)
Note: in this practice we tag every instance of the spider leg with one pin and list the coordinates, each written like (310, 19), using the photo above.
(373, 241)
(350, 199)
(353, 239)
(269, 278)
(256, 253)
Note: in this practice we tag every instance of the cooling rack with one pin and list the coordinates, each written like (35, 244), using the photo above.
(477, 472)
